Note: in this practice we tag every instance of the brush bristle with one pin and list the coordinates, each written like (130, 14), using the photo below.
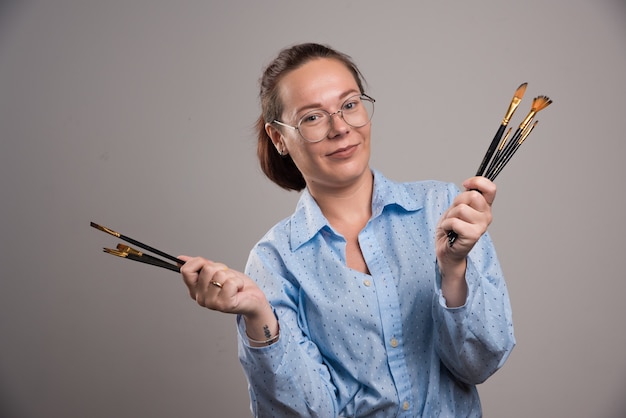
(104, 229)
(540, 103)
(519, 93)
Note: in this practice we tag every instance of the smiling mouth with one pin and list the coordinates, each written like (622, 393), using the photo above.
(342, 151)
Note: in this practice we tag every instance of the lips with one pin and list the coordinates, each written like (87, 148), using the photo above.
(343, 152)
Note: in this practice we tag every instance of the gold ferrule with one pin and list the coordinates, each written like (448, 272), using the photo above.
(115, 252)
(129, 250)
(504, 139)
(527, 132)
(527, 120)
(105, 229)
(512, 107)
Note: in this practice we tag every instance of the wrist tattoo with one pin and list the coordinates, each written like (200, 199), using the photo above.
(269, 340)
(266, 331)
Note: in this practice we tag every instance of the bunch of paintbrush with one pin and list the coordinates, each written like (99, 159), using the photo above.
(124, 251)
(501, 149)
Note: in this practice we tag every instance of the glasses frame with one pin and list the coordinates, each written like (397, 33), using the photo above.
(362, 96)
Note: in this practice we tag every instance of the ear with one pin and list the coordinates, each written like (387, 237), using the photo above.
(277, 138)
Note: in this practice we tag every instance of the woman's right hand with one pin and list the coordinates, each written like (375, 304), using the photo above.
(215, 286)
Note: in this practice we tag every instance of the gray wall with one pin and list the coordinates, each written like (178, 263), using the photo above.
(138, 115)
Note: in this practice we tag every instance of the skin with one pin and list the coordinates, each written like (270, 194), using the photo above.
(338, 176)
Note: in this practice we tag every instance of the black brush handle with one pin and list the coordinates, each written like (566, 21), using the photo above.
(505, 159)
(492, 148)
(501, 154)
(452, 236)
(151, 249)
(498, 164)
(137, 243)
(146, 259)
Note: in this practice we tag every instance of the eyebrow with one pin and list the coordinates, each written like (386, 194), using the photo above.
(342, 97)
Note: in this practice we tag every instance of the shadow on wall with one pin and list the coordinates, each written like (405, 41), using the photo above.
(6, 406)
(619, 409)
(8, 8)
(619, 7)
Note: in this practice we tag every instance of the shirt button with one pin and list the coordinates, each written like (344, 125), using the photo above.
(393, 342)
(367, 283)
(405, 406)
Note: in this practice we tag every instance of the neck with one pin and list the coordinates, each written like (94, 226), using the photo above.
(352, 203)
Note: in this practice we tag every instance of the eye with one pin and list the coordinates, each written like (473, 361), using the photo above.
(351, 104)
(312, 118)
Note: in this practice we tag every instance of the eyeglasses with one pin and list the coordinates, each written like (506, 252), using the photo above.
(315, 125)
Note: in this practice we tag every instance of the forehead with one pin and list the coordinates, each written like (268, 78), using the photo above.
(319, 81)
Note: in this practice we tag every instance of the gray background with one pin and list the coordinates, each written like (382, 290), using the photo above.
(138, 115)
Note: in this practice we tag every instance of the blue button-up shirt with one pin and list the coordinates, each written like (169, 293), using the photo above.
(381, 344)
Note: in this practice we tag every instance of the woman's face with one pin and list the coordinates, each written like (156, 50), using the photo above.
(342, 157)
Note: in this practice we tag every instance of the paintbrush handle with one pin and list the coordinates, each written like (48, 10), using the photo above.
(135, 242)
(151, 249)
(501, 153)
(452, 236)
(142, 258)
(146, 259)
(492, 147)
(160, 263)
(504, 157)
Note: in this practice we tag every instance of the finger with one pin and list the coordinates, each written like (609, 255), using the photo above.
(218, 287)
(191, 273)
(191, 268)
(211, 278)
(220, 275)
(469, 201)
(470, 215)
(216, 283)
(465, 232)
(211, 270)
(476, 212)
(232, 281)
(483, 185)
(184, 258)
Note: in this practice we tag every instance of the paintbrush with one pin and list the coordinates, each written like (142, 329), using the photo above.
(501, 145)
(497, 164)
(504, 151)
(497, 142)
(148, 258)
(509, 155)
(517, 99)
(137, 243)
(135, 255)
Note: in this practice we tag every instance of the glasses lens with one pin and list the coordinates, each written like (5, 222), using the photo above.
(357, 111)
(315, 125)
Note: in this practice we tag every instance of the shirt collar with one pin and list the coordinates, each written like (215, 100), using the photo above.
(308, 219)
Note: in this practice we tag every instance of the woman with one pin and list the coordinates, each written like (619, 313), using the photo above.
(356, 305)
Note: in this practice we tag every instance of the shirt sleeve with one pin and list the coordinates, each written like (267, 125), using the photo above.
(287, 378)
(474, 340)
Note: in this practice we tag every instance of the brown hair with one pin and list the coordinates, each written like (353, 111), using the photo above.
(281, 169)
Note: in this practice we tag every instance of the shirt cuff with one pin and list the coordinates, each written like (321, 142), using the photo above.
(471, 278)
(243, 336)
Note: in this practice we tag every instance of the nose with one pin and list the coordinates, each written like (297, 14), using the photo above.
(338, 125)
